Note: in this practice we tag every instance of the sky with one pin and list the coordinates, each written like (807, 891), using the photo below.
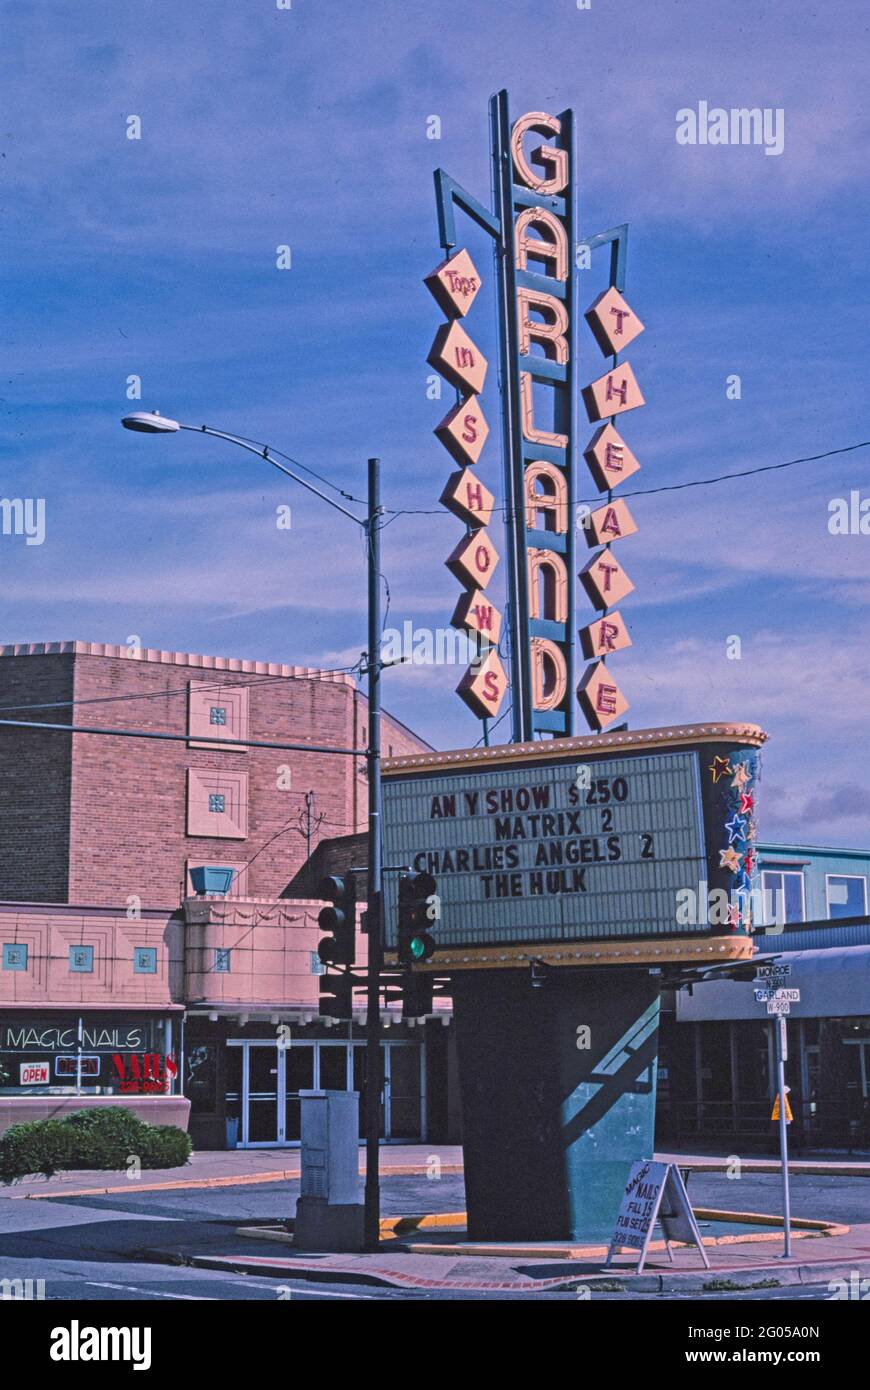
(309, 126)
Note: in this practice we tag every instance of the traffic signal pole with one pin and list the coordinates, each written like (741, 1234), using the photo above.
(374, 1060)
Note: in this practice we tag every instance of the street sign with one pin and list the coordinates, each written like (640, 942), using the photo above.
(770, 972)
(778, 1006)
(777, 995)
(788, 1114)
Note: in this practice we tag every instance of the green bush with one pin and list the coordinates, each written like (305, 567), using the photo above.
(98, 1138)
(41, 1146)
(165, 1146)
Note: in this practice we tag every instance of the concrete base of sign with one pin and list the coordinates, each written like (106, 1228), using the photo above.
(321, 1226)
(558, 1071)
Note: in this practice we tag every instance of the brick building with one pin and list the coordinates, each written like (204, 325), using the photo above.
(90, 819)
(104, 954)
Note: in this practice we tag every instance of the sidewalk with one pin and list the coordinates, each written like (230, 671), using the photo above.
(227, 1168)
(815, 1260)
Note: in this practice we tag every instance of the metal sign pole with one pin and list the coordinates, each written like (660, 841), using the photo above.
(374, 1056)
(781, 1054)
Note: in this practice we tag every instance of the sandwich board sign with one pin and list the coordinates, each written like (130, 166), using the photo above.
(654, 1192)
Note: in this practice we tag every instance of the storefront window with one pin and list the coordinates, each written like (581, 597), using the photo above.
(201, 1080)
(90, 1054)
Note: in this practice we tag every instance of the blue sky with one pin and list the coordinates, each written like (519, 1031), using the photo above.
(308, 127)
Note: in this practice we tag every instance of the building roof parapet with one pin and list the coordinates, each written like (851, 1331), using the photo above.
(166, 658)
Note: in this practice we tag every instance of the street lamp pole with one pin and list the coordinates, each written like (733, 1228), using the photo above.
(374, 1058)
(153, 423)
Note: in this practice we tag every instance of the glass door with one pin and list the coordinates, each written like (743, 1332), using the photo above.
(298, 1076)
(332, 1067)
(359, 1084)
(260, 1094)
(403, 1096)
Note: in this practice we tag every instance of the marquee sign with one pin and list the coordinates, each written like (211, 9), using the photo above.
(595, 839)
(533, 227)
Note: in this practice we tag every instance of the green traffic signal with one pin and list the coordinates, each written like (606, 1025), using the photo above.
(417, 908)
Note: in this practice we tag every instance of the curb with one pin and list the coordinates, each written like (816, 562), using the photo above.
(798, 1168)
(819, 1272)
(243, 1180)
(786, 1275)
(382, 1278)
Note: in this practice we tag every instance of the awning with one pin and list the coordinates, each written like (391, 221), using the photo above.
(834, 983)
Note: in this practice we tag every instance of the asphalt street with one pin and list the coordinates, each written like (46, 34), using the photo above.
(133, 1245)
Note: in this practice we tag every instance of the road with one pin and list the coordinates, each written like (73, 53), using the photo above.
(134, 1245)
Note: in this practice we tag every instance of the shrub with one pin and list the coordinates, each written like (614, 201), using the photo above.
(97, 1138)
(42, 1146)
(165, 1146)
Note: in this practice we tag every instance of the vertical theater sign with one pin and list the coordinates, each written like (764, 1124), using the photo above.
(463, 431)
(533, 227)
(567, 864)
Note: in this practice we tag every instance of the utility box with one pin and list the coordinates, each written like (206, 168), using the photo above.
(329, 1215)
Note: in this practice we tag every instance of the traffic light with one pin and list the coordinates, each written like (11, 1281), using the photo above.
(339, 919)
(417, 994)
(418, 909)
(336, 996)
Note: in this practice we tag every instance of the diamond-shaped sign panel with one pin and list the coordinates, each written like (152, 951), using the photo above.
(611, 522)
(613, 324)
(466, 497)
(475, 613)
(454, 283)
(483, 686)
(457, 358)
(474, 560)
(609, 458)
(605, 581)
(607, 634)
(600, 697)
(612, 393)
(463, 431)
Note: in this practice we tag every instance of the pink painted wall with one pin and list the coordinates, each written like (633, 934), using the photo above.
(50, 931)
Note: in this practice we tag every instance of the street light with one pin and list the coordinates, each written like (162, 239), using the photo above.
(152, 422)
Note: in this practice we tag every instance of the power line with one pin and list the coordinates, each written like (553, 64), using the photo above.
(672, 487)
(183, 689)
(229, 743)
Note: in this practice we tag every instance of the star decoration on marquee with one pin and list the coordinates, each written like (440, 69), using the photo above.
(751, 829)
(720, 767)
(749, 861)
(733, 917)
(736, 828)
(729, 859)
(741, 776)
(746, 803)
